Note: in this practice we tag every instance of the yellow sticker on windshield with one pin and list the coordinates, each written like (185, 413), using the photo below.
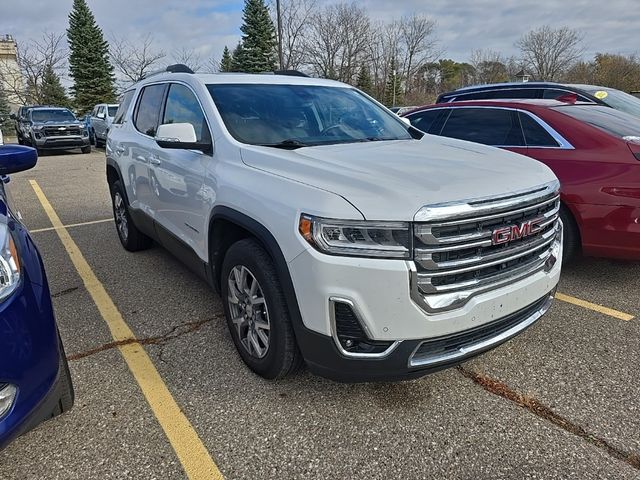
(601, 94)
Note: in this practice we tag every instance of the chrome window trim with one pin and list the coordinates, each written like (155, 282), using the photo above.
(463, 352)
(469, 91)
(563, 143)
(334, 331)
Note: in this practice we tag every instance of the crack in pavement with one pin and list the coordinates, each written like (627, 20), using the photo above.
(155, 340)
(64, 292)
(534, 406)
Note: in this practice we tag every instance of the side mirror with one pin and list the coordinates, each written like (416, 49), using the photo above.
(16, 158)
(181, 136)
(406, 121)
(101, 115)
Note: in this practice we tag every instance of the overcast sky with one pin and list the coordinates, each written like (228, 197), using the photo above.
(463, 25)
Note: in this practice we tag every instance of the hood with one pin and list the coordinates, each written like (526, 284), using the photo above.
(54, 123)
(392, 180)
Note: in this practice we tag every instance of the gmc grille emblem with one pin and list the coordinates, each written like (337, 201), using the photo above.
(516, 232)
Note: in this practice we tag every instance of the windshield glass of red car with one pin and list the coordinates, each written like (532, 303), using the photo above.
(615, 122)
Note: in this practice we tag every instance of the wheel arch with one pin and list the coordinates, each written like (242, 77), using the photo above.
(227, 226)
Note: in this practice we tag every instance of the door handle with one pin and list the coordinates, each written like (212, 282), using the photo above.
(154, 161)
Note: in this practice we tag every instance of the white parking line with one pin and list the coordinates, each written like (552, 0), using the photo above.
(49, 229)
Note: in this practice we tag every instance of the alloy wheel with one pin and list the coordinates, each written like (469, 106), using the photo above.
(121, 216)
(249, 313)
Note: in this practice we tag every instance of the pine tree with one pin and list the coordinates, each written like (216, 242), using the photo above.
(364, 81)
(6, 125)
(238, 59)
(258, 39)
(226, 64)
(51, 91)
(89, 59)
(393, 89)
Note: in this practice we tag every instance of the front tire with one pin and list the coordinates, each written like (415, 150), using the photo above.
(65, 386)
(571, 243)
(256, 311)
(130, 237)
(86, 149)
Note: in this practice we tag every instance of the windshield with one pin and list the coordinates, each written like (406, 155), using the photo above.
(52, 116)
(615, 122)
(303, 115)
(618, 100)
(112, 111)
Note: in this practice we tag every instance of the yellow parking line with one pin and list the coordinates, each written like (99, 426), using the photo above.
(194, 457)
(49, 229)
(595, 307)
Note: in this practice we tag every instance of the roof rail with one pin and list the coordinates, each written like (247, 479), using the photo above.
(176, 68)
(291, 73)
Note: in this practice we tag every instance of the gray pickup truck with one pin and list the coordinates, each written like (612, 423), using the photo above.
(54, 128)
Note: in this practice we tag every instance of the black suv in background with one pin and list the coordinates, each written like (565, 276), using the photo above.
(609, 97)
(51, 128)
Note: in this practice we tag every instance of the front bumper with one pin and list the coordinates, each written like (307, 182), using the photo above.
(410, 340)
(29, 346)
(55, 143)
(415, 358)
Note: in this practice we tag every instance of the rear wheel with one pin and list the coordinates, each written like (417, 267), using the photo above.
(256, 311)
(571, 243)
(131, 238)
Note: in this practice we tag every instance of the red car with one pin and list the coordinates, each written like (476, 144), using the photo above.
(594, 150)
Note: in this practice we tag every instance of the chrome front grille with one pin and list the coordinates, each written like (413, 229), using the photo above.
(483, 244)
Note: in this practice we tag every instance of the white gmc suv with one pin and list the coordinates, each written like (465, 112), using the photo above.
(337, 235)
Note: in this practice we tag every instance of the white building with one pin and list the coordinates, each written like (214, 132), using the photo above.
(10, 75)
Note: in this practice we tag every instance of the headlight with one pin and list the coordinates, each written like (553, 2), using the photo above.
(37, 128)
(356, 238)
(9, 264)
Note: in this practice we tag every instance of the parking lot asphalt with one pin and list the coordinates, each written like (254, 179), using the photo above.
(559, 401)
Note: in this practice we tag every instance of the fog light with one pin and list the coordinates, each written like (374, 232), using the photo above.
(7, 396)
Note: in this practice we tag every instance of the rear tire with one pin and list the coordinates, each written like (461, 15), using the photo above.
(571, 243)
(130, 237)
(264, 305)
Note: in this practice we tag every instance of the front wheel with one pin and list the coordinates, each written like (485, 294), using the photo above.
(86, 149)
(130, 237)
(256, 311)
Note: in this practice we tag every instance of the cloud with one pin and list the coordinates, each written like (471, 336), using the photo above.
(208, 25)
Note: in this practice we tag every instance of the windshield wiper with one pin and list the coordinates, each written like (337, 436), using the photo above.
(289, 144)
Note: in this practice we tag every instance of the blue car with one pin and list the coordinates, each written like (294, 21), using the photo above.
(35, 383)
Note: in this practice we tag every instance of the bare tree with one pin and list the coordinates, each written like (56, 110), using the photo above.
(489, 66)
(33, 60)
(295, 16)
(418, 45)
(337, 41)
(188, 57)
(134, 60)
(212, 65)
(547, 52)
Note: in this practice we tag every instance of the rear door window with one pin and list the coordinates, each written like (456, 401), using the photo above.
(148, 109)
(534, 134)
(424, 120)
(489, 126)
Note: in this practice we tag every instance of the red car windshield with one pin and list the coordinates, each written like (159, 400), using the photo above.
(615, 122)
